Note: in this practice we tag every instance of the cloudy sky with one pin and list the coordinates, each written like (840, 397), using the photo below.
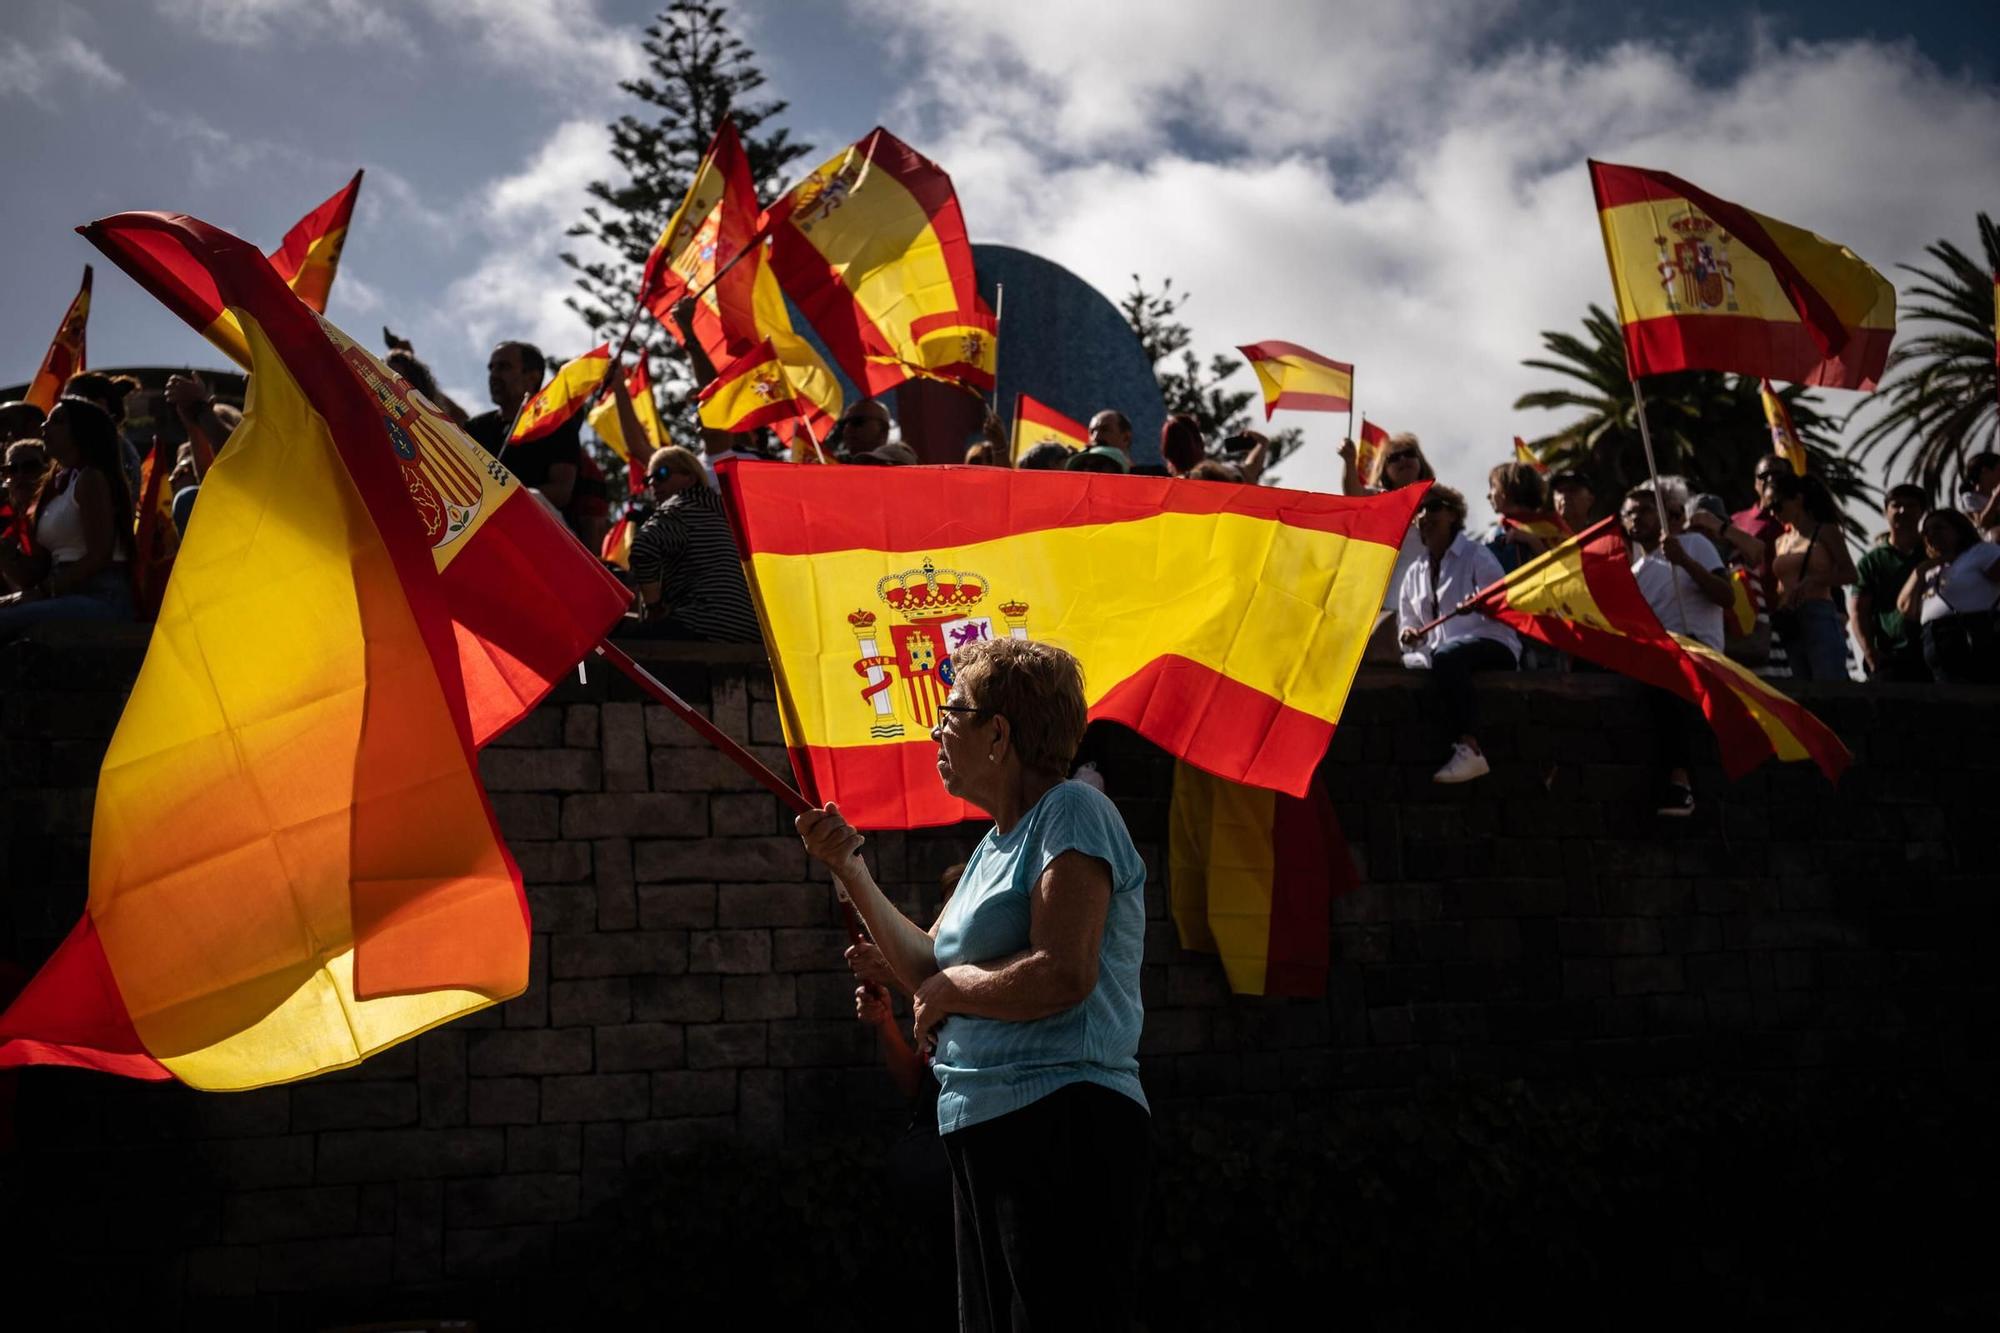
(1399, 185)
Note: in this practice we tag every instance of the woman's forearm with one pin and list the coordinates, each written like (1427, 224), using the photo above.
(1028, 985)
(906, 947)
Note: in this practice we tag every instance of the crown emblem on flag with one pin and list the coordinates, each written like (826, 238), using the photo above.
(936, 595)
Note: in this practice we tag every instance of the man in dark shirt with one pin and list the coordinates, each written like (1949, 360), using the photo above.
(1891, 647)
(549, 464)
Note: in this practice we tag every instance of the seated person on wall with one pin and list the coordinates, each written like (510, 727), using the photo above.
(1979, 494)
(1892, 644)
(1743, 556)
(1682, 580)
(1451, 568)
(25, 465)
(1027, 997)
(1954, 593)
(1515, 491)
(1810, 566)
(685, 567)
(80, 568)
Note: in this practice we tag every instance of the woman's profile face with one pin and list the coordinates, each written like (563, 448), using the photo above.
(56, 434)
(1940, 540)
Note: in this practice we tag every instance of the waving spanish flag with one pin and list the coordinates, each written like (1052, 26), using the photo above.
(293, 864)
(562, 397)
(1704, 284)
(309, 255)
(1252, 875)
(1524, 454)
(1582, 598)
(749, 392)
(1545, 524)
(873, 249)
(1222, 622)
(65, 356)
(738, 304)
(1784, 435)
(1368, 447)
(1293, 377)
(1035, 422)
(604, 420)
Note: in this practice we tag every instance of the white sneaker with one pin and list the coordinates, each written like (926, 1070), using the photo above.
(1464, 765)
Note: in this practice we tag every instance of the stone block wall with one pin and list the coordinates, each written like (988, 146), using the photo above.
(688, 988)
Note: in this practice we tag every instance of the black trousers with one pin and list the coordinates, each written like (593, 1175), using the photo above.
(1050, 1206)
(1452, 669)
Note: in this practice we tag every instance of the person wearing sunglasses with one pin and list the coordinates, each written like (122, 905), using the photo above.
(1452, 568)
(1761, 521)
(685, 567)
(1027, 999)
(27, 462)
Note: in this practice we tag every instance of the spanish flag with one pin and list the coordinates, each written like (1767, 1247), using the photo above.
(1546, 524)
(154, 536)
(604, 420)
(1704, 284)
(1582, 598)
(749, 392)
(1222, 622)
(1035, 422)
(617, 548)
(309, 255)
(562, 397)
(1303, 381)
(1784, 435)
(65, 356)
(293, 864)
(1252, 875)
(1523, 454)
(739, 303)
(873, 249)
(1368, 448)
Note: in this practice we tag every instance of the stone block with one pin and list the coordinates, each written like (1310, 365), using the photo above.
(703, 768)
(635, 814)
(539, 770)
(419, 1230)
(594, 1097)
(694, 1092)
(290, 1214)
(729, 951)
(580, 730)
(348, 1156)
(526, 817)
(760, 1116)
(497, 1251)
(504, 1101)
(326, 1263)
(553, 862)
(628, 953)
(641, 1046)
(317, 1106)
(539, 730)
(677, 999)
(625, 767)
(725, 1045)
(665, 906)
(1646, 976)
(563, 909)
(825, 994)
(807, 950)
(617, 903)
(544, 1148)
(748, 814)
(262, 1163)
(530, 1051)
(590, 1001)
(773, 904)
(721, 860)
(651, 1138)
(765, 995)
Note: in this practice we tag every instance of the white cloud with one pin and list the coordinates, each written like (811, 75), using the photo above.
(65, 61)
(259, 22)
(558, 44)
(1405, 193)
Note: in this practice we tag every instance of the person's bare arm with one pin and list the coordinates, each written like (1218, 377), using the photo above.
(713, 441)
(1350, 475)
(906, 946)
(906, 1068)
(1058, 969)
(628, 416)
(1910, 601)
(1860, 622)
(1713, 585)
(93, 499)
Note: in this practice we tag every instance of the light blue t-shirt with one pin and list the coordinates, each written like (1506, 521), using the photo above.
(986, 1067)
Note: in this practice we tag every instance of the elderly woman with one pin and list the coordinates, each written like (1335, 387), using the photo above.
(684, 561)
(1027, 999)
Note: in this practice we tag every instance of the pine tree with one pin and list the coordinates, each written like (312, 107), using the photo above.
(697, 70)
(1188, 386)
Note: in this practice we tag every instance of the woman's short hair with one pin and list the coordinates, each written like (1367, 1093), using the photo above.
(1446, 499)
(1181, 443)
(1037, 687)
(678, 460)
(1401, 442)
(1520, 485)
(1048, 456)
(985, 453)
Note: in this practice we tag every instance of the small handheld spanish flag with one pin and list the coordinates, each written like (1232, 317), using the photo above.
(1784, 435)
(1035, 422)
(1523, 454)
(1300, 380)
(1368, 448)
(751, 391)
(562, 397)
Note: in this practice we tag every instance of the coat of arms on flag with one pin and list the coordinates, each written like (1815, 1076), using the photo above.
(937, 606)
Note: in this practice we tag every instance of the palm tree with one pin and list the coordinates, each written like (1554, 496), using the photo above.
(1938, 406)
(1707, 426)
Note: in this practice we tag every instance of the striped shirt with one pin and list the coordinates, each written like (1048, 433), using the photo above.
(987, 1067)
(686, 547)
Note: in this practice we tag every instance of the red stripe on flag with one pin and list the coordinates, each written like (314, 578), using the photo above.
(1218, 724)
(74, 1006)
(1272, 350)
(1784, 350)
(1294, 401)
(1309, 865)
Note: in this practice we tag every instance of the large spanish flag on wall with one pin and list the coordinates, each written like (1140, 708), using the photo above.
(872, 247)
(1704, 284)
(1035, 422)
(1299, 379)
(1252, 875)
(1224, 623)
(65, 356)
(293, 864)
(309, 256)
(738, 303)
(1581, 598)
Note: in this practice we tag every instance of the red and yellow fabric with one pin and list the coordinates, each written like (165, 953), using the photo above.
(154, 535)
(1222, 622)
(617, 548)
(1524, 454)
(309, 256)
(872, 248)
(1745, 594)
(1784, 435)
(1368, 448)
(749, 392)
(604, 420)
(65, 356)
(1704, 284)
(1298, 379)
(1035, 422)
(562, 397)
(742, 307)
(1582, 599)
(1545, 525)
(1252, 874)
(293, 864)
